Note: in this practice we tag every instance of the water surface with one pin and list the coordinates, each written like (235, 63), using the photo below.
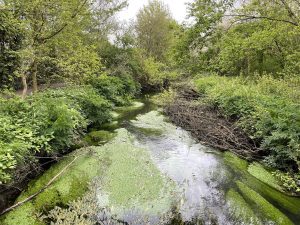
(153, 172)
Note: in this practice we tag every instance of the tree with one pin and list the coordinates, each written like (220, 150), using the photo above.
(45, 22)
(258, 36)
(154, 28)
(10, 43)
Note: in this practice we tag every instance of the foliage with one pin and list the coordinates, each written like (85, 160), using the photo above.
(47, 123)
(118, 90)
(157, 74)
(267, 108)
(85, 99)
(233, 38)
(289, 181)
(164, 98)
(10, 42)
(155, 29)
(59, 37)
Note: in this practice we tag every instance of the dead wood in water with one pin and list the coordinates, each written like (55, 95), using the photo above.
(40, 191)
(209, 126)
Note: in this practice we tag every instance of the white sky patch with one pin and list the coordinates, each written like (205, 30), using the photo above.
(177, 8)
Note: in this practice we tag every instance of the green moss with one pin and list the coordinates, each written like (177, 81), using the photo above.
(133, 181)
(115, 115)
(239, 209)
(111, 126)
(95, 138)
(24, 215)
(267, 210)
(150, 131)
(69, 186)
(259, 172)
(134, 106)
(235, 162)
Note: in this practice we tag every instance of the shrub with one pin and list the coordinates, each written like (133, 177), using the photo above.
(157, 74)
(118, 90)
(57, 117)
(85, 99)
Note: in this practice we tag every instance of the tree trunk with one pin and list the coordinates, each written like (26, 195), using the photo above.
(25, 86)
(34, 77)
(261, 62)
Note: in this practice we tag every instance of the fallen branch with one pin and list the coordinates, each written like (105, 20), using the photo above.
(40, 191)
(209, 126)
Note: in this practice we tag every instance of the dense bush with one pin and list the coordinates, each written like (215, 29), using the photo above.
(118, 90)
(157, 74)
(268, 109)
(45, 124)
(86, 100)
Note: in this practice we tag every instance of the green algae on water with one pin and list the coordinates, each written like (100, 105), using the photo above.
(134, 106)
(235, 162)
(260, 173)
(110, 126)
(266, 209)
(239, 208)
(292, 204)
(150, 131)
(95, 138)
(153, 120)
(132, 179)
(72, 184)
(115, 115)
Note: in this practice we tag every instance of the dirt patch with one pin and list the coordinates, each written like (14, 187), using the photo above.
(209, 126)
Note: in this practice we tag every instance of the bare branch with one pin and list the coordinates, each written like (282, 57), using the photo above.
(56, 32)
(262, 17)
(41, 190)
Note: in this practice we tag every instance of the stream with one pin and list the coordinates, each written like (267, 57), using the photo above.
(152, 172)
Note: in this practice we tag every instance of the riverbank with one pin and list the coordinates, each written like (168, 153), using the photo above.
(258, 120)
(41, 129)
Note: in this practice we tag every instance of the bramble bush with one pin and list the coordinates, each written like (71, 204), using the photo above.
(266, 108)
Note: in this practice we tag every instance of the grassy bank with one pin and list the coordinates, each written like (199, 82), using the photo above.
(268, 110)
